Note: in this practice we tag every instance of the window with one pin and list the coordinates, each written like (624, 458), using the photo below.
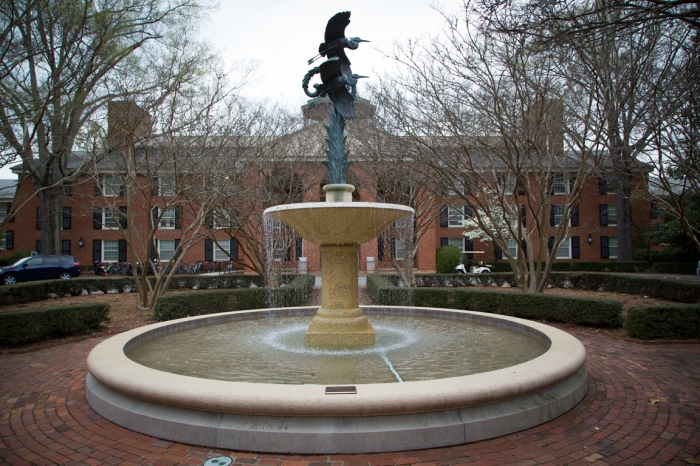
(219, 253)
(65, 221)
(398, 249)
(612, 247)
(110, 251)
(109, 221)
(221, 218)
(605, 187)
(506, 183)
(557, 214)
(166, 249)
(4, 210)
(656, 211)
(112, 185)
(559, 184)
(7, 240)
(65, 247)
(608, 215)
(166, 186)
(564, 251)
(513, 247)
(167, 221)
(456, 242)
(456, 215)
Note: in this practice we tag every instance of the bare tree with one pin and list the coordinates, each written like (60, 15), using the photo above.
(58, 56)
(504, 130)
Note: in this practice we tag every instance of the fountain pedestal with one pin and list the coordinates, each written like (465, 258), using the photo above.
(339, 321)
(339, 226)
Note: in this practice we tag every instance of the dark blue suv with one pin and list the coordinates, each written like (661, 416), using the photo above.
(43, 267)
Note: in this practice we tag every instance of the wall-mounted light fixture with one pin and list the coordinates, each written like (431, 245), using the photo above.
(81, 243)
(590, 239)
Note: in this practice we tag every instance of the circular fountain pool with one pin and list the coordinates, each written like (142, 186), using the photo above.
(288, 409)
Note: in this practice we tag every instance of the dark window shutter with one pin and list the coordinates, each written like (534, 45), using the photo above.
(209, 221)
(65, 247)
(97, 218)
(208, 250)
(551, 216)
(154, 216)
(604, 215)
(96, 190)
(602, 186)
(122, 190)
(443, 217)
(467, 211)
(96, 250)
(550, 183)
(574, 216)
(497, 252)
(177, 252)
(177, 218)
(444, 242)
(288, 253)
(68, 190)
(38, 218)
(122, 251)
(604, 249)
(393, 247)
(469, 246)
(550, 244)
(521, 189)
(523, 247)
(572, 180)
(575, 247)
(297, 247)
(233, 248)
(122, 218)
(154, 187)
(523, 215)
(66, 218)
(38, 246)
(380, 248)
(9, 239)
(12, 219)
(154, 251)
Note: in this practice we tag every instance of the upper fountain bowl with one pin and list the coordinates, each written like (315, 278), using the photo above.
(338, 222)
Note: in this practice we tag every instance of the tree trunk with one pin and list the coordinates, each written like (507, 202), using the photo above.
(51, 204)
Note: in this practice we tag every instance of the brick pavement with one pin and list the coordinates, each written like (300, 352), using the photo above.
(641, 408)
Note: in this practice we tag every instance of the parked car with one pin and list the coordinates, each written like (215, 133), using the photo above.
(43, 267)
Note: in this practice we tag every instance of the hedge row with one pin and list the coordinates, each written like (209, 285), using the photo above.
(611, 266)
(675, 322)
(40, 290)
(27, 325)
(580, 311)
(683, 291)
(175, 306)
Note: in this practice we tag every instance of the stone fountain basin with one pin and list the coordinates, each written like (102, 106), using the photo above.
(338, 222)
(303, 419)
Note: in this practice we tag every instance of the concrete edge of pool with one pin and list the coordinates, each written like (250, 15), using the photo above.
(303, 419)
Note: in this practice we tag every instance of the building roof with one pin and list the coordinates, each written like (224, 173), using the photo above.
(8, 188)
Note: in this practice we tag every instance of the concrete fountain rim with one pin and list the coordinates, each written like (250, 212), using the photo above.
(110, 366)
(338, 205)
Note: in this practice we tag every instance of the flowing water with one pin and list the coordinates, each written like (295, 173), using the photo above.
(273, 351)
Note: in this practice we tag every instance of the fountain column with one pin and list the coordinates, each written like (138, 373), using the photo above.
(339, 321)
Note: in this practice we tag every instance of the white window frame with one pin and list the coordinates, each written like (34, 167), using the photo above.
(565, 246)
(218, 215)
(166, 222)
(169, 188)
(507, 183)
(222, 253)
(455, 216)
(109, 182)
(115, 251)
(398, 250)
(560, 187)
(558, 219)
(5, 208)
(611, 247)
(453, 242)
(107, 215)
(512, 247)
(612, 219)
(162, 251)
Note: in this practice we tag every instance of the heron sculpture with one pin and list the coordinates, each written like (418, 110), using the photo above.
(339, 87)
(335, 42)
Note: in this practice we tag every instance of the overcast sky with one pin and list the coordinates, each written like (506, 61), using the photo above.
(281, 35)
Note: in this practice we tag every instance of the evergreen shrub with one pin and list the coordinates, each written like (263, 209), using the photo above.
(447, 259)
(666, 322)
(27, 325)
(212, 301)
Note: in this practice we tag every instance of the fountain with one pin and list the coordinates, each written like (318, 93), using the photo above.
(281, 404)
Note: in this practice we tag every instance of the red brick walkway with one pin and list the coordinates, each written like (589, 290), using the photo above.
(641, 408)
